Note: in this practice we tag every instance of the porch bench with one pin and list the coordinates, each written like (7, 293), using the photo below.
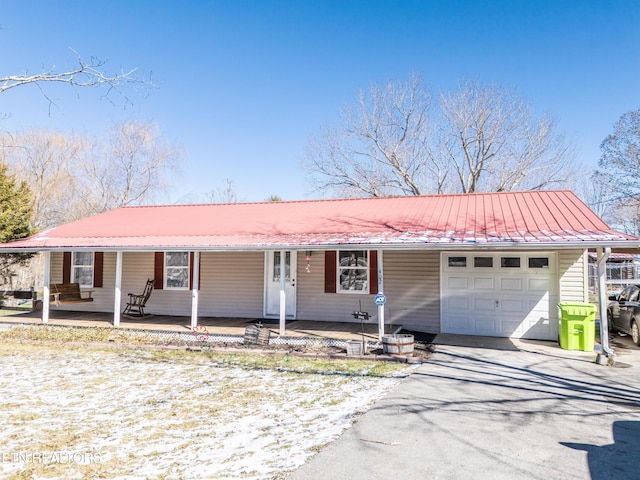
(63, 293)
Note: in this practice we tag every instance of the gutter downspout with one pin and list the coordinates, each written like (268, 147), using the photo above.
(603, 256)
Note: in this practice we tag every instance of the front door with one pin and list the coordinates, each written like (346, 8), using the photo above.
(273, 284)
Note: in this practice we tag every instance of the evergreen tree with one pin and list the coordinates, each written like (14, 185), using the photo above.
(15, 220)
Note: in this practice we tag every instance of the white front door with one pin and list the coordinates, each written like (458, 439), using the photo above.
(273, 284)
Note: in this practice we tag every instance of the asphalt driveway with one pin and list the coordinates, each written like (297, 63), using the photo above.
(500, 410)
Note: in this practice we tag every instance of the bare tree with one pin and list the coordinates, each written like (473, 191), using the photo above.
(620, 159)
(83, 74)
(594, 190)
(479, 138)
(380, 147)
(492, 141)
(128, 169)
(74, 176)
(618, 172)
(46, 161)
(225, 193)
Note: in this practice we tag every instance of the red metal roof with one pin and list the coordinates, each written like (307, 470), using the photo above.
(512, 218)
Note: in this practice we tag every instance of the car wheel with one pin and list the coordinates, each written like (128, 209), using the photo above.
(635, 333)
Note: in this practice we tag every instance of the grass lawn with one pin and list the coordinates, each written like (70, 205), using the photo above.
(73, 411)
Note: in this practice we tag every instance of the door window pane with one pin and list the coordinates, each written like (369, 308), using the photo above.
(510, 262)
(276, 266)
(539, 262)
(457, 261)
(483, 262)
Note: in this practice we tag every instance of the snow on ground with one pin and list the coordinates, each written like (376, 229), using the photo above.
(88, 413)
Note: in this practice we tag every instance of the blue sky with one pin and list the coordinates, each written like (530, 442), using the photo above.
(243, 84)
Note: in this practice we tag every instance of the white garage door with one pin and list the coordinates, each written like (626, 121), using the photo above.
(500, 295)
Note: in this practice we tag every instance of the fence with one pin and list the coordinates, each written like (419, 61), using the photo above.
(618, 275)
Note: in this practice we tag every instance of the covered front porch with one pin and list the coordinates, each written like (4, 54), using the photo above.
(213, 326)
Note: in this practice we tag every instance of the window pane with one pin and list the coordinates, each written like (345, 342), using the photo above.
(276, 266)
(177, 278)
(177, 259)
(483, 262)
(354, 279)
(510, 262)
(353, 258)
(457, 261)
(539, 262)
(83, 276)
(83, 258)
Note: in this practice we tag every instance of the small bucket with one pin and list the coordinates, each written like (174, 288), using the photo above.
(354, 347)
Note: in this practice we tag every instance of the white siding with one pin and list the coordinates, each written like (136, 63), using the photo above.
(411, 285)
(314, 304)
(232, 284)
(572, 267)
(412, 288)
(102, 297)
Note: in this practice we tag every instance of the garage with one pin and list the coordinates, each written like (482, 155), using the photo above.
(500, 294)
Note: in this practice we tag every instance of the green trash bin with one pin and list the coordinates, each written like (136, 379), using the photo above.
(577, 326)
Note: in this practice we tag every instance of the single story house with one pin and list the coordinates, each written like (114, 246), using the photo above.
(494, 264)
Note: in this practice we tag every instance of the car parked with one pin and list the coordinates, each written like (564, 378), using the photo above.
(624, 312)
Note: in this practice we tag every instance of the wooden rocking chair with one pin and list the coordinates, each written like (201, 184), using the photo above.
(135, 306)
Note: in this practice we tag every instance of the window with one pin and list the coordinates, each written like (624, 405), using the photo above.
(539, 262)
(484, 262)
(176, 270)
(624, 296)
(353, 271)
(82, 269)
(457, 261)
(510, 262)
(276, 266)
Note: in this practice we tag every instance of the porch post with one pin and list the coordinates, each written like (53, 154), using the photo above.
(46, 281)
(117, 297)
(380, 290)
(603, 255)
(194, 290)
(283, 295)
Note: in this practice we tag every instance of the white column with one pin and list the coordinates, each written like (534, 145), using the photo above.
(380, 290)
(283, 295)
(194, 290)
(45, 287)
(603, 255)
(117, 296)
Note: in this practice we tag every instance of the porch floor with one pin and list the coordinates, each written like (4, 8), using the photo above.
(214, 325)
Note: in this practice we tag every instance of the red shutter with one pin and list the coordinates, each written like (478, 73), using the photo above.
(98, 268)
(373, 272)
(330, 262)
(158, 271)
(66, 267)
